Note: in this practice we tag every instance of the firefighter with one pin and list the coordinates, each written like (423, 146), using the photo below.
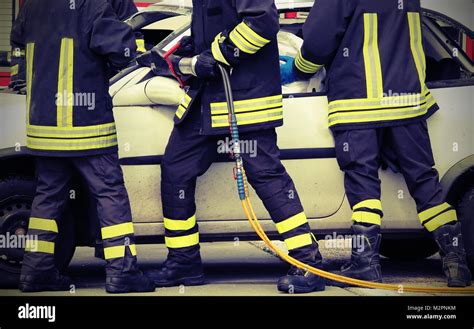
(122, 8)
(378, 100)
(70, 126)
(242, 36)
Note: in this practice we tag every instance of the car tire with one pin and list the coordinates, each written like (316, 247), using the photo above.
(16, 197)
(465, 210)
(408, 249)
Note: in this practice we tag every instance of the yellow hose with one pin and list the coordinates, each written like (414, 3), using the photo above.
(254, 222)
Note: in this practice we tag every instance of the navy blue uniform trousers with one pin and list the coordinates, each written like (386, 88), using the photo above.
(104, 179)
(190, 154)
(360, 152)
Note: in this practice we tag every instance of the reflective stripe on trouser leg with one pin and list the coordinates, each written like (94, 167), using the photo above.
(41, 235)
(417, 166)
(357, 154)
(40, 245)
(187, 156)
(295, 231)
(181, 229)
(53, 175)
(104, 178)
(276, 189)
(368, 212)
(119, 248)
(181, 233)
(117, 239)
(437, 216)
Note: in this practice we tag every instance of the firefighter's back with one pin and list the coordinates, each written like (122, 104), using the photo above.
(380, 64)
(70, 46)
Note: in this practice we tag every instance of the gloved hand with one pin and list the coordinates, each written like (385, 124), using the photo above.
(159, 66)
(287, 70)
(206, 66)
(186, 48)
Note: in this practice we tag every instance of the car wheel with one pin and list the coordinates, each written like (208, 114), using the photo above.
(16, 196)
(465, 210)
(408, 249)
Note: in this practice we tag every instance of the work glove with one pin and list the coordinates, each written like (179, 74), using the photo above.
(287, 70)
(186, 48)
(158, 65)
(206, 66)
(202, 66)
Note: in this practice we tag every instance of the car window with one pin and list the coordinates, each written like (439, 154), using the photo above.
(449, 48)
(156, 32)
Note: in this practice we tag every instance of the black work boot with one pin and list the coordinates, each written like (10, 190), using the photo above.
(47, 281)
(173, 273)
(451, 248)
(365, 257)
(299, 281)
(128, 282)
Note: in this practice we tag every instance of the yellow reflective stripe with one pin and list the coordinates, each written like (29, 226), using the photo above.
(305, 65)
(298, 241)
(71, 132)
(43, 224)
(118, 251)
(14, 70)
(30, 54)
(64, 97)
(182, 241)
(180, 111)
(183, 106)
(251, 35)
(241, 43)
(250, 118)
(370, 203)
(255, 107)
(291, 223)
(180, 225)
(416, 46)
(40, 246)
(141, 45)
(373, 67)
(248, 104)
(187, 99)
(385, 102)
(440, 220)
(217, 52)
(431, 212)
(382, 115)
(114, 231)
(71, 144)
(366, 217)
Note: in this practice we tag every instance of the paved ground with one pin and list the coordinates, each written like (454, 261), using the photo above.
(244, 269)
